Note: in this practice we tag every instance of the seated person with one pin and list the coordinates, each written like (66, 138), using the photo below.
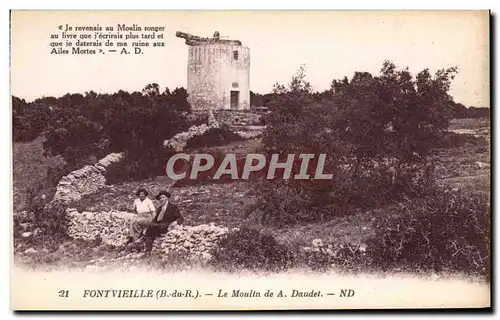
(145, 209)
(166, 214)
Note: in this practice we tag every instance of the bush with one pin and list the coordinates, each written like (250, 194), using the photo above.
(123, 171)
(52, 220)
(54, 175)
(44, 186)
(251, 249)
(48, 223)
(151, 163)
(282, 203)
(445, 231)
(214, 137)
(28, 120)
(129, 170)
(292, 202)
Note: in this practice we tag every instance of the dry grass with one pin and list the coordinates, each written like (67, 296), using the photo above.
(476, 184)
(30, 169)
(354, 229)
(456, 168)
(457, 124)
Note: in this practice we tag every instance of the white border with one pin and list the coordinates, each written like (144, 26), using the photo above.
(5, 116)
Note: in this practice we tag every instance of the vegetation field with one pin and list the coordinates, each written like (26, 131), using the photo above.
(411, 191)
(228, 204)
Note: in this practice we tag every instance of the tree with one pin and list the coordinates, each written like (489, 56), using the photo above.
(73, 136)
(83, 128)
(29, 120)
(151, 90)
(139, 125)
(177, 100)
(255, 99)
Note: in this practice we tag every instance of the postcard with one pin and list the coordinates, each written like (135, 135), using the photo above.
(250, 160)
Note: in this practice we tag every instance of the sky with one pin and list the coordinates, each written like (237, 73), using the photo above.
(330, 44)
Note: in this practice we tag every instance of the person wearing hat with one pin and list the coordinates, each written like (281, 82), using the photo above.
(165, 215)
(145, 210)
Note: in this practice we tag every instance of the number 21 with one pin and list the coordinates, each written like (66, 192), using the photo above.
(63, 293)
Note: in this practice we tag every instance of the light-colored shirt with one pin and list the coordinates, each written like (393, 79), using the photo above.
(145, 206)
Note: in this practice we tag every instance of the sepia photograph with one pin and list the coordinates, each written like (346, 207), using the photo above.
(250, 160)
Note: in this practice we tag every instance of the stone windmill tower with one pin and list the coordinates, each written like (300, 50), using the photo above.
(218, 73)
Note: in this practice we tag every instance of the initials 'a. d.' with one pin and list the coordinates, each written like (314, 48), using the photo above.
(136, 51)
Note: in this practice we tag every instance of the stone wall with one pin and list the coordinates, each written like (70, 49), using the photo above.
(112, 228)
(84, 181)
(180, 140)
(238, 118)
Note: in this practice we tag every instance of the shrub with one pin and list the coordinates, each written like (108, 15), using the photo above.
(48, 225)
(28, 120)
(74, 136)
(126, 170)
(54, 175)
(251, 249)
(52, 220)
(282, 203)
(482, 149)
(120, 172)
(445, 231)
(137, 167)
(376, 184)
(214, 137)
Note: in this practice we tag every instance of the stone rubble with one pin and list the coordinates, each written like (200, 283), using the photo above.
(482, 165)
(212, 122)
(483, 132)
(26, 234)
(196, 241)
(25, 218)
(235, 118)
(249, 134)
(318, 246)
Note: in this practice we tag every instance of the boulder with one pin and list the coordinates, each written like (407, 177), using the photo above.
(30, 251)
(482, 165)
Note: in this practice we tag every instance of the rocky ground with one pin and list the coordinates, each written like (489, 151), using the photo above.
(99, 231)
(98, 240)
(467, 168)
(220, 204)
